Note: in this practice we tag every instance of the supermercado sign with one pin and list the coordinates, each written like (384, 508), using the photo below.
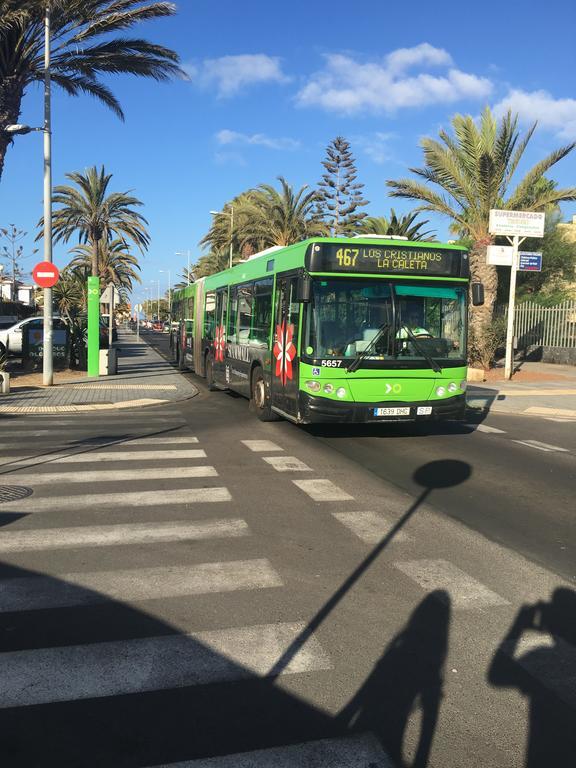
(522, 223)
(385, 259)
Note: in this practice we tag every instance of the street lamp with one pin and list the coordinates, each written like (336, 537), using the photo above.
(163, 271)
(231, 214)
(20, 129)
(187, 254)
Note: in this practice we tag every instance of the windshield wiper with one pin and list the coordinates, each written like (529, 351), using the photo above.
(430, 360)
(355, 364)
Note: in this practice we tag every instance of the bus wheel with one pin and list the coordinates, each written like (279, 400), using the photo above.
(209, 368)
(260, 400)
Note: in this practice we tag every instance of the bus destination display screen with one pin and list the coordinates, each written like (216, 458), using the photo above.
(387, 259)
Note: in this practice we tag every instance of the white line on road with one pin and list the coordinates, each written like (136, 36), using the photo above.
(540, 446)
(261, 446)
(115, 475)
(96, 455)
(162, 498)
(485, 428)
(33, 593)
(114, 535)
(150, 664)
(287, 464)
(322, 490)
(371, 527)
(348, 752)
(465, 592)
(103, 441)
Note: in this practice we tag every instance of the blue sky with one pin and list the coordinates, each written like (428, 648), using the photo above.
(271, 84)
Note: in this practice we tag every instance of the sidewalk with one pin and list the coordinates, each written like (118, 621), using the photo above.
(144, 378)
(539, 389)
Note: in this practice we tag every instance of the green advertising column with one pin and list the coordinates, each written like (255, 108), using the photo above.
(93, 326)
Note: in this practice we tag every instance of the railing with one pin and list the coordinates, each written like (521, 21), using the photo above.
(539, 326)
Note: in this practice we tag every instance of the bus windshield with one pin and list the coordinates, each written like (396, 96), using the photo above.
(345, 316)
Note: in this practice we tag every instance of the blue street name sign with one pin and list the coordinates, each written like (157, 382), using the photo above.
(530, 261)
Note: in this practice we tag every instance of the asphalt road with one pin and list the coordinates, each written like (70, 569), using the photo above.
(188, 586)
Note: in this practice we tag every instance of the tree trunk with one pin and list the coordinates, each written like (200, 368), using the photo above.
(10, 99)
(95, 258)
(481, 272)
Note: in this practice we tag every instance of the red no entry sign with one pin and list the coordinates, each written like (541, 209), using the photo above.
(45, 274)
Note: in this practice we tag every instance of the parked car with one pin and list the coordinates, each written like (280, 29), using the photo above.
(158, 325)
(11, 338)
(166, 328)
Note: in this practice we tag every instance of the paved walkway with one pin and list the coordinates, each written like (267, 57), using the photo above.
(548, 390)
(144, 378)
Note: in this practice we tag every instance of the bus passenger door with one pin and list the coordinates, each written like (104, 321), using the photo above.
(284, 374)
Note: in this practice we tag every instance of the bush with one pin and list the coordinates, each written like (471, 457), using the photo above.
(482, 346)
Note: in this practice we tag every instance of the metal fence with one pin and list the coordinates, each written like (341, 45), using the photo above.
(539, 326)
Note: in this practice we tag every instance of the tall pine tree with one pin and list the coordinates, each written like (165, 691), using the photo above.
(339, 194)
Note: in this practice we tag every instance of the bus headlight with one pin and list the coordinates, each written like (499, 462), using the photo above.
(313, 385)
(440, 391)
(341, 392)
(328, 388)
(452, 387)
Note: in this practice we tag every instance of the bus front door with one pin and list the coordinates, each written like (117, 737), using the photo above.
(284, 378)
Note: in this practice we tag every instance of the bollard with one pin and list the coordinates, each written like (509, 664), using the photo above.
(4, 383)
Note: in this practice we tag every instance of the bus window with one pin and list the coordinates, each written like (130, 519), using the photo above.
(262, 311)
(210, 318)
(244, 313)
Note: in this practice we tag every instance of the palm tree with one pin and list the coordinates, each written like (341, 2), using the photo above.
(98, 218)
(188, 277)
(405, 226)
(83, 48)
(471, 172)
(279, 217)
(115, 263)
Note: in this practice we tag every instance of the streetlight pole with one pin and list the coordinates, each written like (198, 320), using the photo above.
(47, 363)
(187, 254)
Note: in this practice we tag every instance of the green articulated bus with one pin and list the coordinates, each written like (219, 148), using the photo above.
(335, 330)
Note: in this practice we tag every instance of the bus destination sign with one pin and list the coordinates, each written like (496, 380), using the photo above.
(387, 259)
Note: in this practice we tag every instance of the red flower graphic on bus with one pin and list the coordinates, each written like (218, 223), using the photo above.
(284, 351)
(219, 344)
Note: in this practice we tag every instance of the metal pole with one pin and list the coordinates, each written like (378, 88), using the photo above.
(511, 307)
(47, 363)
(158, 300)
(110, 320)
(231, 231)
(169, 296)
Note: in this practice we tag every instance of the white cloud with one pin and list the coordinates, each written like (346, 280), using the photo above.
(231, 74)
(256, 139)
(558, 115)
(376, 146)
(345, 85)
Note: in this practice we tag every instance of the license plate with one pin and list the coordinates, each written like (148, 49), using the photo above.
(424, 410)
(392, 411)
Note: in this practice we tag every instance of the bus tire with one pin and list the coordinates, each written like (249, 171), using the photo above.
(209, 368)
(260, 397)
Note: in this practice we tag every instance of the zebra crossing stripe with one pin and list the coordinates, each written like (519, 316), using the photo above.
(90, 455)
(488, 429)
(114, 535)
(362, 751)
(322, 490)
(261, 446)
(115, 475)
(33, 593)
(122, 499)
(287, 464)
(370, 527)
(465, 592)
(104, 441)
(541, 446)
(69, 673)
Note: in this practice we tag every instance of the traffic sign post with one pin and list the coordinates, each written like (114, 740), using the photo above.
(93, 326)
(516, 226)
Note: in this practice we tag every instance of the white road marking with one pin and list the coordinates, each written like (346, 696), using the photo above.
(489, 430)
(287, 464)
(322, 490)
(115, 668)
(96, 455)
(261, 446)
(561, 421)
(162, 439)
(114, 535)
(362, 751)
(465, 592)
(33, 593)
(540, 410)
(161, 498)
(540, 446)
(371, 527)
(115, 475)
(104, 440)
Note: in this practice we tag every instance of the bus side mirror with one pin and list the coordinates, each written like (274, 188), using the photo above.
(304, 289)
(477, 294)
